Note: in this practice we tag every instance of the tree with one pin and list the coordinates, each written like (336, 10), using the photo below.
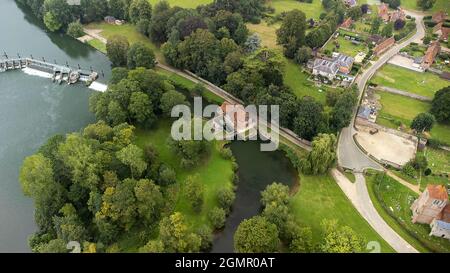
(140, 9)
(302, 241)
(217, 217)
(440, 106)
(53, 246)
(140, 55)
(393, 4)
(141, 108)
(57, 14)
(275, 193)
(341, 114)
(323, 154)
(167, 175)
(291, 33)
(425, 4)
(399, 24)
(116, 114)
(278, 214)
(225, 197)
(149, 200)
(75, 29)
(193, 191)
(355, 12)
(340, 239)
(170, 99)
(309, 118)
(69, 226)
(176, 236)
(116, 49)
(364, 8)
(93, 10)
(303, 55)
(153, 246)
(253, 43)
(375, 25)
(118, 74)
(36, 176)
(143, 26)
(387, 30)
(120, 205)
(118, 9)
(51, 21)
(256, 235)
(423, 122)
(133, 157)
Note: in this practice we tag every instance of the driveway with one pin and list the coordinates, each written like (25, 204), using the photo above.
(359, 196)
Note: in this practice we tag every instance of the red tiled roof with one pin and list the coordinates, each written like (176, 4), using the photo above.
(438, 192)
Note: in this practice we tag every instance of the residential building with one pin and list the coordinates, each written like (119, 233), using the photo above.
(347, 23)
(325, 68)
(234, 119)
(430, 55)
(440, 229)
(430, 204)
(383, 12)
(345, 62)
(438, 17)
(441, 31)
(350, 3)
(397, 14)
(359, 58)
(383, 45)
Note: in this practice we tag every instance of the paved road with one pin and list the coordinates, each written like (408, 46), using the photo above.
(359, 196)
(349, 155)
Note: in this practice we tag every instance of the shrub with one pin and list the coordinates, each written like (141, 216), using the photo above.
(409, 170)
(75, 29)
(226, 198)
(217, 217)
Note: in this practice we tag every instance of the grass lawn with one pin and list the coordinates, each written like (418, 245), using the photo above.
(95, 43)
(350, 176)
(438, 162)
(439, 5)
(294, 77)
(404, 109)
(214, 173)
(392, 201)
(311, 10)
(266, 32)
(297, 80)
(424, 84)
(318, 198)
(345, 46)
(127, 30)
(183, 3)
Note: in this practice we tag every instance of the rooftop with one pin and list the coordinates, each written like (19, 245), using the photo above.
(437, 192)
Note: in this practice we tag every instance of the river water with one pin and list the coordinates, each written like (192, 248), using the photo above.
(32, 109)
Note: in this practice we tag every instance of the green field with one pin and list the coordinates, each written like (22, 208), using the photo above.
(424, 84)
(127, 30)
(297, 80)
(266, 32)
(439, 5)
(404, 109)
(318, 198)
(392, 200)
(345, 46)
(214, 173)
(311, 10)
(95, 43)
(183, 3)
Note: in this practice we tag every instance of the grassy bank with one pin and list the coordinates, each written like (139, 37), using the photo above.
(318, 198)
(393, 201)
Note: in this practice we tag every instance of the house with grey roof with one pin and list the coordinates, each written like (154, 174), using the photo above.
(440, 228)
(325, 68)
(345, 62)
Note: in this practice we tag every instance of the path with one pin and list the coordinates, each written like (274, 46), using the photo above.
(359, 196)
(403, 93)
(414, 188)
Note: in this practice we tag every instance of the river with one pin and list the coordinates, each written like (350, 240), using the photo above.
(32, 109)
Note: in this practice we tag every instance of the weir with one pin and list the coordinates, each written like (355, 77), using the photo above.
(59, 73)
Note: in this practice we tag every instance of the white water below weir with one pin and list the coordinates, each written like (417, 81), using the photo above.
(55, 72)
